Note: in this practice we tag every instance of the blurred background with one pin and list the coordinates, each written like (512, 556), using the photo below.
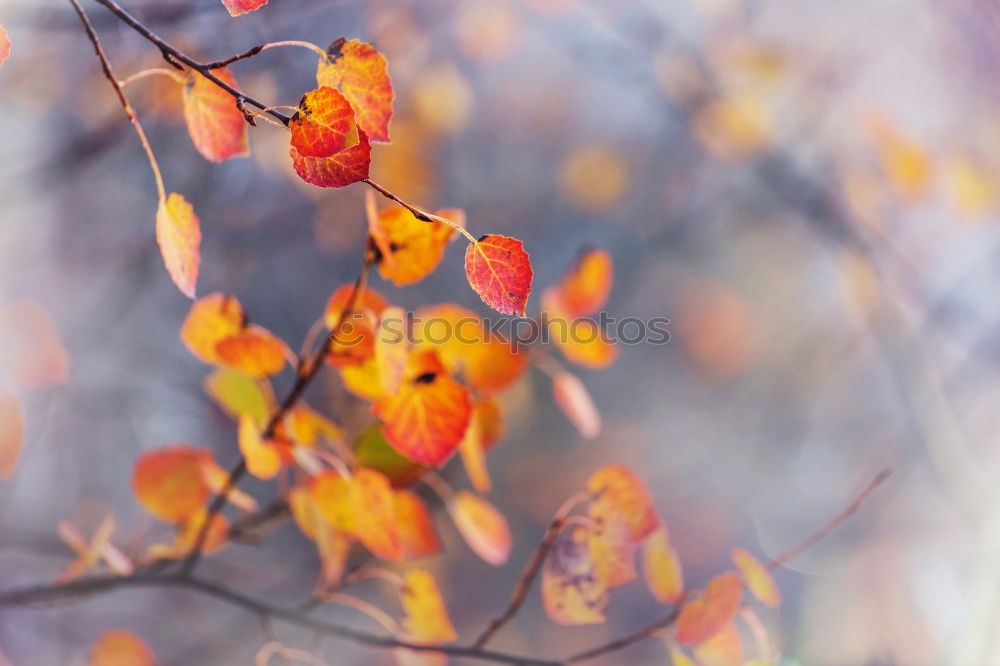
(806, 189)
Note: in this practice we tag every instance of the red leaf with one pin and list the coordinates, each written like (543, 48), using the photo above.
(237, 7)
(4, 45)
(499, 270)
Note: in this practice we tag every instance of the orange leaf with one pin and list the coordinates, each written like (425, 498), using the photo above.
(212, 319)
(254, 350)
(305, 426)
(427, 417)
(582, 342)
(31, 354)
(363, 505)
(620, 494)
(612, 550)
(426, 618)
(5, 45)
(664, 576)
(369, 302)
(499, 270)
(237, 7)
(354, 341)
(178, 233)
(11, 433)
(473, 446)
(217, 128)
(409, 248)
(333, 546)
(120, 648)
(757, 577)
(482, 526)
(585, 288)
(575, 402)
(169, 482)
(391, 348)
(262, 458)
(362, 74)
(703, 618)
(416, 529)
(371, 450)
(723, 649)
(572, 592)
(324, 124)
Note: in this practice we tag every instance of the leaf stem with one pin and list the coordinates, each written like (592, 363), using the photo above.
(161, 71)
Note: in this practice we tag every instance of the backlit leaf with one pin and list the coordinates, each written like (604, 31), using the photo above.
(427, 417)
(211, 320)
(620, 494)
(723, 649)
(254, 350)
(662, 567)
(499, 270)
(582, 341)
(483, 429)
(169, 482)
(757, 578)
(585, 288)
(11, 433)
(306, 427)
(702, 618)
(409, 248)
(612, 550)
(572, 592)
(416, 529)
(5, 45)
(371, 450)
(362, 75)
(333, 546)
(31, 353)
(328, 149)
(237, 7)
(237, 393)
(573, 398)
(178, 233)
(354, 341)
(217, 128)
(120, 648)
(426, 618)
(482, 526)
(363, 505)
(262, 458)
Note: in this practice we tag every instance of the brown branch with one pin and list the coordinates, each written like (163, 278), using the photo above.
(530, 571)
(174, 55)
(40, 594)
(831, 524)
(219, 64)
(307, 371)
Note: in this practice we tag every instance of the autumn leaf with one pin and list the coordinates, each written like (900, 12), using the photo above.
(391, 348)
(354, 341)
(31, 353)
(254, 350)
(332, 545)
(427, 417)
(363, 505)
(702, 618)
(612, 550)
(757, 578)
(212, 319)
(5, 45)
(237, 393)
(11, 433)
(120, 648)
(306, 427)
(426, 618)
(723, 649)
(217, 128)
(585, 288)
(262, 458)
(238, 7)
(618, 493)
(482, 526)
(573, 398)
(362, 75)
(327, 147)
(499, 270)
(372, 450)
(410, 249)
(484, 429)
(369, 301)
(178, 233)
(581, 341)
(662, 567)
(416, 529)
(572, 592)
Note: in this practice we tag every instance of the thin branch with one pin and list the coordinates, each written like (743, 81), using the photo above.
(625, 641)
(110, 76)
(531, 569)
(831, 524)
(174, 55)
(40, 594)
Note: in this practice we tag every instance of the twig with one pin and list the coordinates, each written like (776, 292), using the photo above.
(530, 571)
(37, 594)
(174, 55)
(625, 641)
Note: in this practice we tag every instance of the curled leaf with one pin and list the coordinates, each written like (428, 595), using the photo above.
(178, 233)
(499, 270)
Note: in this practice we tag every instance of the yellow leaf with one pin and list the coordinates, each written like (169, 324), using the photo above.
(178, 233)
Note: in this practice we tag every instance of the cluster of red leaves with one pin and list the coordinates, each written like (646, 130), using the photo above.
(597, 552)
